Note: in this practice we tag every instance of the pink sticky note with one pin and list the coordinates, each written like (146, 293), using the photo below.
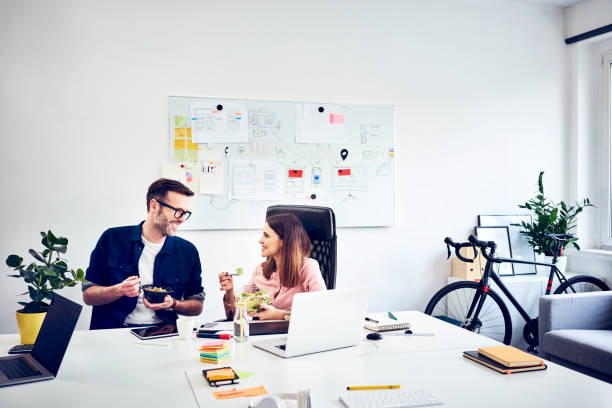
(336, 118)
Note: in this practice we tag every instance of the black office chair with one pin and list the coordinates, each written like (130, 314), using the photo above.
(320, 225)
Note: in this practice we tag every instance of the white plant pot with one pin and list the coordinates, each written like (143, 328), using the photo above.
(544, 270)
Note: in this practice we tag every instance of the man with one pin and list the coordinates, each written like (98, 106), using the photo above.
(127, 257)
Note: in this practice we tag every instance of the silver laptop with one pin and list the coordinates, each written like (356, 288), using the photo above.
(321, 321)
(49, 349)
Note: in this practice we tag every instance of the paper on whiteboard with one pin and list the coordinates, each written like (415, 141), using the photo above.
(186, 174)
(211, 125)
(313, 126)
(212, 178)
(256, 180)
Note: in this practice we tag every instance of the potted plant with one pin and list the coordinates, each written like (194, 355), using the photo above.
(43, 278)
(550, 218)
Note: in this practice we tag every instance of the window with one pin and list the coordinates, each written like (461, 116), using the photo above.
(606, 131)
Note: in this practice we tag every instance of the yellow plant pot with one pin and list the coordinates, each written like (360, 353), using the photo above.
(29, 325)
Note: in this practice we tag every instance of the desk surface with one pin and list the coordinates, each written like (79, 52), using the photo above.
(113, 368)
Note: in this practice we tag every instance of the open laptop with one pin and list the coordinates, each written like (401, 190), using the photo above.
(321, 321)
(49, 349)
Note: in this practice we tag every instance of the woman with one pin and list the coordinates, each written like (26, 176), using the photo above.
(286, 271)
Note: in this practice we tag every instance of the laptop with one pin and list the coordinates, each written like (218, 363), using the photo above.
(49, 349)
(321, 321)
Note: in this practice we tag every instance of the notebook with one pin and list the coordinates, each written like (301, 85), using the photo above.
(49, 349)
(494, 365)
(385, 324)
(510, 356)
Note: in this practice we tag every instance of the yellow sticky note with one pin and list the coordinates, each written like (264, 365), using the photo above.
(192, 155)
(192, 146)
(188, 134)
(179, 155)
(179, 144)
(179, 120)
(179, 133)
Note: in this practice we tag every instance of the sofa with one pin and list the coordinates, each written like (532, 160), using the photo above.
(575, 330)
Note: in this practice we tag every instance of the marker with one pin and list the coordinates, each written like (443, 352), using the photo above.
(391, 316)
(214, 336)
(373, 387)
(371, 320)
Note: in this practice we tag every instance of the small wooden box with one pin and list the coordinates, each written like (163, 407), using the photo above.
(466, 270)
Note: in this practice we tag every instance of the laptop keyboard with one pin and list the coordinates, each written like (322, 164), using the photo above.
(282, 346)
(17, 368)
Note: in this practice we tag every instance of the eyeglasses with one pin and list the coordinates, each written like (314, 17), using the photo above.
(178, 213)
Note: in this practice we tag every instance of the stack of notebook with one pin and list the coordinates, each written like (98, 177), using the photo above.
(506, 359)
(215, 352)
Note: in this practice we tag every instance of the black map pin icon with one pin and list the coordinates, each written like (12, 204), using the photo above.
(344, 154)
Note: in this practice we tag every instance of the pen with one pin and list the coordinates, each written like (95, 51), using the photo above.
(371, 320)
(214, 336)
(391, 316)
(373, 387)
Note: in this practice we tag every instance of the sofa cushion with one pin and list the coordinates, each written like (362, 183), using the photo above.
(589, 348)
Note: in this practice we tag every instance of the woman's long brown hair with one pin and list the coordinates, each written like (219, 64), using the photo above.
(296, 246)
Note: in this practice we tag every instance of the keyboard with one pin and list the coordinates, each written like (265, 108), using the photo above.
(388, 399)
(21, 348)
(17, 368)
(282, 346)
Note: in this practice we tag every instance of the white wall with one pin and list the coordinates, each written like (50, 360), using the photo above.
(588, 15)
(481, 106)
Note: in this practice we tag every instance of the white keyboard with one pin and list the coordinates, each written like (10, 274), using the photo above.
(388, 399)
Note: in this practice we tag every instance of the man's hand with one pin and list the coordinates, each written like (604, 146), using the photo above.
(226, 281)
(166, 304)
(269, 313)
(129, 287)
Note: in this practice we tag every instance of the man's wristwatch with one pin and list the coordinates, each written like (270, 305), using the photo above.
(287, 315)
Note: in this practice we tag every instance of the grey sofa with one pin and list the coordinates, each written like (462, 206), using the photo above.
(576, 331)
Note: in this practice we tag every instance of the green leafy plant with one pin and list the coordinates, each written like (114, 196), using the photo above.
(550, 218)
(47, 275)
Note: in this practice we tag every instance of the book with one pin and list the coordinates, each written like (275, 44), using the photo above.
(510, 356)
(494, 365)
(385, 324)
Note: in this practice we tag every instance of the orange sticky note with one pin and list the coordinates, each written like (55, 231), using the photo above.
(252, 392)
(179, 133)
(221, 374)
(192, 146)
(227, 394)
(179, 144)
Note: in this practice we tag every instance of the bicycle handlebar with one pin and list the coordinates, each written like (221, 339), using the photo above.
(473, 242)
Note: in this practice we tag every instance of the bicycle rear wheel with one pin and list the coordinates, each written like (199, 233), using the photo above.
(580, 284)
(452, 303)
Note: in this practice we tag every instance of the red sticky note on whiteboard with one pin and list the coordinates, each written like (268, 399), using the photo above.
(296, 173)
(344, 172)
(336, 118)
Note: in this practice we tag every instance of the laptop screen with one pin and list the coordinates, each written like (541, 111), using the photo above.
(55, 333)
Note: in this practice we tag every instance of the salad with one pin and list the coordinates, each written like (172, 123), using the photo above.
(255, 299)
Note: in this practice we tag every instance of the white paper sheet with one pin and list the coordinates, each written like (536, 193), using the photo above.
(257, 180)
(212, 125)
(212, 181)
(313, 126)
(189, 174)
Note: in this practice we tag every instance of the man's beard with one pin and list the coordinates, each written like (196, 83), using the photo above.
(163, 224)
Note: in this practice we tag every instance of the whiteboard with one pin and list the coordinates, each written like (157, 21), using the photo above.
(241, 156)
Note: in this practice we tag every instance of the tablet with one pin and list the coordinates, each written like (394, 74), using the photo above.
(155, 332)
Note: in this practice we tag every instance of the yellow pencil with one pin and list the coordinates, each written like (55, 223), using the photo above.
(373, 387)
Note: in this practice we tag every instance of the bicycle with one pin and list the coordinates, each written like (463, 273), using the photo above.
(476, 307)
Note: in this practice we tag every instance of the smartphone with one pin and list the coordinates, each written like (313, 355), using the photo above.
(155, 332)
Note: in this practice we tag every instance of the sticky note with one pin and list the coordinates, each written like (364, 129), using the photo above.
(296, 173)
(179, 155)
(251, 392)
(179, 120)
(179, 144)
(179, 133)
(221, 374)
(344, 172)
(191, 145)
(227, 394)
(243, 375)
(336, 118)
(192, 155)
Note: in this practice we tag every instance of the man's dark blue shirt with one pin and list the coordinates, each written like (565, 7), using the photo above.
(115, 258)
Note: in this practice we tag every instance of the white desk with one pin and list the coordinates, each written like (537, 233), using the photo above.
(105, 368)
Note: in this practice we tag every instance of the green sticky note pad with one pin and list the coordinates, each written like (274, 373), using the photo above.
(243, 375)
(179, 120)
(192, 155)
(179, 155)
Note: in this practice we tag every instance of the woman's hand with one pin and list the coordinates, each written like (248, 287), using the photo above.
(226, 281)
(269, 313)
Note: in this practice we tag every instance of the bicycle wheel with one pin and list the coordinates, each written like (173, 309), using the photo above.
(580, 284)
(452, 303)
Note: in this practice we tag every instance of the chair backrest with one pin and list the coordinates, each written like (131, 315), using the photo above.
(320, 225)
